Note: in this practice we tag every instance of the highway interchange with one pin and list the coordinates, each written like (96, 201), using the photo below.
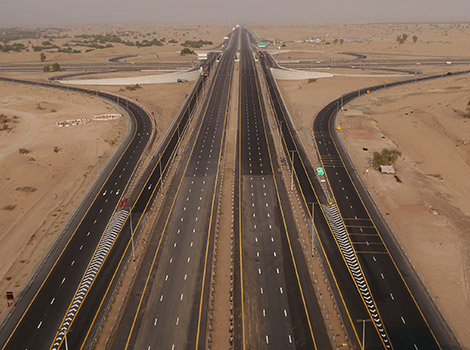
(275, 303)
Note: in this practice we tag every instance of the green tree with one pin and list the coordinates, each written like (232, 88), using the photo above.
(46, 69)
(415, 38)
(386, 157)
(43, 57)
(55, 67)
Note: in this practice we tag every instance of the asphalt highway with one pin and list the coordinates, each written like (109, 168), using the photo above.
(82, 323)
(38, 314)
(275, 306)
(353, 241)
(168, 305)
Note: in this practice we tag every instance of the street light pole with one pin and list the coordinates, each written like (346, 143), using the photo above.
(161, 175)
(364, 331)
(65, 339)
(292, 171)
(313, 228)
(132, 238)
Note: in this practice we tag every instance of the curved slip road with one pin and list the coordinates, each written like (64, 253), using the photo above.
(406, 324)
(37, 316)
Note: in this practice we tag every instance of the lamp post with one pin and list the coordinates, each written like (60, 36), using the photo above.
(292, 171)
(313, 228)
(364, 330)
(66, 343)
(132, 237)
(161, 175)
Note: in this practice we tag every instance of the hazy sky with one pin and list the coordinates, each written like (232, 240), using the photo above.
(62, 12)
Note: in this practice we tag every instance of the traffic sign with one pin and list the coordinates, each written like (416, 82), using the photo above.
(261, 44)
(320, 171)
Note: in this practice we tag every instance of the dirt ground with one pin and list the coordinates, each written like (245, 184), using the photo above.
(45, 170)
(427, 123)
(428, 209)
(41, 189)
(46, 186)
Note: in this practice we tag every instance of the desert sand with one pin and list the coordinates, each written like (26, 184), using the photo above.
(58, 180)
(428, 210)
(45, 170)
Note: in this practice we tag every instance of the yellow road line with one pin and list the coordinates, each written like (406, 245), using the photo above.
(239, 203)
(166, 224)
(282, 212)
(72, 236)
(128, 244)
(390, 255)
(212, 212)
(327, 222)
(360, 268)
(89, 263)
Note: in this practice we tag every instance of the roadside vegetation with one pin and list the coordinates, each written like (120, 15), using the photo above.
(187, 51)
(196, 44)
(385, 157)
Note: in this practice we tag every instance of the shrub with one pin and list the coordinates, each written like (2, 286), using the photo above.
(26, 189)
(386, 157)
(24, 151)
(9, 207)
(187, 51)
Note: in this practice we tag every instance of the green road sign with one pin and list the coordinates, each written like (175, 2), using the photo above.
(320, 171)
(261, 44)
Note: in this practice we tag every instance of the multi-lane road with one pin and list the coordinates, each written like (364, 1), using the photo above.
(169, 302)
(276, 307)
(356, 245)
(38, 315)
(69, 291)
(275, 302)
